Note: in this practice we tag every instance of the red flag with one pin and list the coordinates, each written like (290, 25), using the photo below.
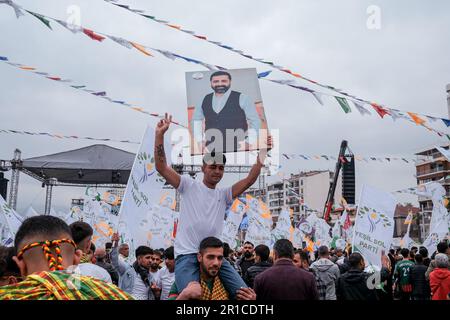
(379, 109)
(347, 223)
(92, 35)
(175, 227)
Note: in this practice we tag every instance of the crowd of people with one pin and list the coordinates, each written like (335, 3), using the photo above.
(53, 260)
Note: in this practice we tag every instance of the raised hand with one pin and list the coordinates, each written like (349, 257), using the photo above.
(163, 125)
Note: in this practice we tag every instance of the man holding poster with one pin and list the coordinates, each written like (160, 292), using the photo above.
(202, 209)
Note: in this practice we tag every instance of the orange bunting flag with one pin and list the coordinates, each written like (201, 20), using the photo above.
(141, 48)
(174, 26)
(419, 121)
(27, 68)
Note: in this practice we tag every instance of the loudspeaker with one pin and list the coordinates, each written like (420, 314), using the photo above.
(348, 180)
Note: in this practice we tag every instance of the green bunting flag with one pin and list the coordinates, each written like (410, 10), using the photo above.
(40, 17)
(344, 104)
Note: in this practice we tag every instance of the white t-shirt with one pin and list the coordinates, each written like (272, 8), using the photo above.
(202, 212)
(92, 270)
(140, 290)
(164, 280)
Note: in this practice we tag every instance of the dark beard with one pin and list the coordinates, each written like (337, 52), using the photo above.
(221, 89)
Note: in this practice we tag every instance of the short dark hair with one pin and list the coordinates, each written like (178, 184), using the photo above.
(248, 242)
(80, 231)
(143, 250)
(263, 252)
(404, 252)
(304, 255)
(169, 253)
(158, 253)
(323, 251)
(108, 245)
(49, 227)
(226, 250)
(284, 248)
(418, 258)
(210, 242)
(392, 251)
(8, 266)
(355, 259)
(423, 251)
(442, 247)
(214, 158)
(220, 73)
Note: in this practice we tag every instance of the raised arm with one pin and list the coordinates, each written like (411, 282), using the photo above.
(239, 187)
(171, 176)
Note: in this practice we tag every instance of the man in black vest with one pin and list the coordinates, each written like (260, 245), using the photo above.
(227, 116)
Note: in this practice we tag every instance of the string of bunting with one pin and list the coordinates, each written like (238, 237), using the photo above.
(99, 94)
(62, 136)
(389, 159)
(358, 103)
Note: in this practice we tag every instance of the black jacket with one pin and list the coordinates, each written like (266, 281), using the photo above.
(353, 286)
(254, 270)
(243, 265)
(421, 287)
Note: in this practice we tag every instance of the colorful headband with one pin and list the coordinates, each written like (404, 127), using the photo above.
(53, 263)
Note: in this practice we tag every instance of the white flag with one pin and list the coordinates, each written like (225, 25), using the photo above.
(30, 213)
(232, 223)
(437, 234)
(161, 221)
(283, 228)
(143, 191)
(10, 220)
(259, 223)
(374, 225)
(437, 193)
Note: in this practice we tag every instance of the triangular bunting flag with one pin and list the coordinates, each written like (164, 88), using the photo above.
(419, 121)
(360, 107)
(379, 109)
(344, 104)
(264, 74)
(91, 34)
(318, 96)
(141, 48)
(17, 9)
(121, 41)
(41, 18)
(71, 27)
(446, 122)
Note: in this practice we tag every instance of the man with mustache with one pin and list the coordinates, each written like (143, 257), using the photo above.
(210, 258)
(228, 114)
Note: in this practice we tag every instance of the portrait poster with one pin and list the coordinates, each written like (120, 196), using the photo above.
(225, 111)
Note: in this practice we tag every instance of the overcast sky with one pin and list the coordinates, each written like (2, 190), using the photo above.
(403, 65)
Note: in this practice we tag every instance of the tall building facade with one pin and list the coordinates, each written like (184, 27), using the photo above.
(431, 165)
